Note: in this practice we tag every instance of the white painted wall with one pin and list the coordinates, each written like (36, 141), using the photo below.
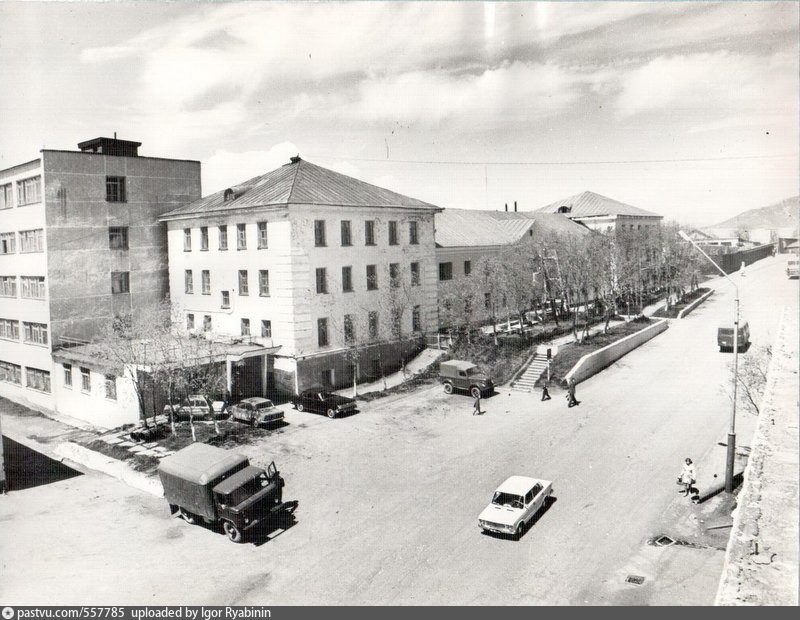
(93, 406)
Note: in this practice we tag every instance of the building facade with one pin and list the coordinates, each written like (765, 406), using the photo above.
(604, 214)
(80, 243)
(337, 277)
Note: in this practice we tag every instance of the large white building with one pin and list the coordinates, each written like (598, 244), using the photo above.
(603, 214)
(329, 274)
(80, 243)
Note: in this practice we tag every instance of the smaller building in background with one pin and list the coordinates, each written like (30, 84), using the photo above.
(603, 214)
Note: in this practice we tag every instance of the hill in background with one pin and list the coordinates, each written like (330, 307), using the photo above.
(783, 214)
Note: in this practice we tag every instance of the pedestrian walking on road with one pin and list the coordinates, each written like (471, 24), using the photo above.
(571, 400)
(545, 393)
(476, 410)
(688, 476)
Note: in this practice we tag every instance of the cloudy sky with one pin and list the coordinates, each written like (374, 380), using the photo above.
(689, 109)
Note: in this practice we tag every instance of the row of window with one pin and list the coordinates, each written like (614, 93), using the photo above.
(29, 241)
(35, 378)
(32, 287)
(34, 333)
(110, 381)
(29, 191)
(266, 325)
(244, 283)
(346, 233)
(349, 326)
(446, 270)
(321, 276)
(222, 242)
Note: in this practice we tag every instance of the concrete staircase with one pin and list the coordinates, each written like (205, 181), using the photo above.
(531, 375)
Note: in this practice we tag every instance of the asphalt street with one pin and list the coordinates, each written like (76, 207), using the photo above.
(388, 498)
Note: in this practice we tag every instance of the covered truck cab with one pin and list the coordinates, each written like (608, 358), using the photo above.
(202, 481)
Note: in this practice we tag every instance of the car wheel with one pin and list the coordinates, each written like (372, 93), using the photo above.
(232, 532)
(331, 413)
(476, 392)
(448, 388)
(299, 407)
(254, 422)
(520, 528)
(187, 516)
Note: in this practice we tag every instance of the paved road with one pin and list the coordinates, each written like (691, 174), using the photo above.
(388, 498)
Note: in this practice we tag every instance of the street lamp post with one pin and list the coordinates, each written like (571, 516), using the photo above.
(731, 455)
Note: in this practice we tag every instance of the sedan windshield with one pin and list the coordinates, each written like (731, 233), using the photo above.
(507, 499)
(265, 405)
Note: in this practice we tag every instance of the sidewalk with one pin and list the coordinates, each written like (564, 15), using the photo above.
(417, 365)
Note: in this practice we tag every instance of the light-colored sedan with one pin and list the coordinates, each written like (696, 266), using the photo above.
(255, 411)
(515, 504)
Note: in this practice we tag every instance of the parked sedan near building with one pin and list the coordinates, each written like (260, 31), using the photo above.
(255, 411)
(319, 401)
(515, 504)
(197, 406)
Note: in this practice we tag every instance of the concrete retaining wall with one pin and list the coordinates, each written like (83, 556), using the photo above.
(695, 303)
(592, 363)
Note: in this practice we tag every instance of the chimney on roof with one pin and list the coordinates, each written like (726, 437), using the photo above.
(295, 159)
(506, 207)
(515, 206)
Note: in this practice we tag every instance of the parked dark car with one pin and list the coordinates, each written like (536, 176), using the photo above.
(320, 401)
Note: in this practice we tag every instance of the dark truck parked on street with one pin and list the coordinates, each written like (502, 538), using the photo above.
(218, 486)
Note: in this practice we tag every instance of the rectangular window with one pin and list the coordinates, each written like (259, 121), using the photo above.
(67, 374)
(369, 232)
(413, 233)
(262, 235)
(6, 201)
(266, 329)
(8, 286)
(188, 282)
(392, 233)
(204, 238)
(244, 284)
(322, 332)
(241, 236)
(415, 274)
(223, 237)
(226, 299)
(245, 327)
(397, 322)
(86, 380)
(187, 239)
(319, 233)
(111, 387)
(8, 243)
(118, 238)
(120, 282)
(487, 301)
(372, 278)
(416, 320)
(467, 267)
(29, 191)
(347, 279)
(205, 282)
(32, 287)
(35, 333)
(36, 379)
(189, 322)
(347, 237)
(372, 321)
(445, 271)
(31, 240)
(207, 323)
(115, 189)
(322, 280)
(394, 274)
(9, 329)
(10, 373)
(263, 283)
(349, 329)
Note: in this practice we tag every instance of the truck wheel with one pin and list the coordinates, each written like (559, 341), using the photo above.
(448, 388)
(476, 392)
(187, 516)
(299, 407)
(232, 532)
(331, 413)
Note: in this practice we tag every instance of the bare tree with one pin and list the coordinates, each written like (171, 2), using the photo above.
(752, 377)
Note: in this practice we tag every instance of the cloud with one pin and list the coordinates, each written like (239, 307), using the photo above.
(225, 168)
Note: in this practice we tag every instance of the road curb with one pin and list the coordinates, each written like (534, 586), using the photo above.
(695, 303)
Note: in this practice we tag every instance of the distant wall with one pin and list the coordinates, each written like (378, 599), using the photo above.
(592, 363)
(733, 261)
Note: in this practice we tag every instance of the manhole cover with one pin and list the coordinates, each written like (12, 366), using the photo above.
(634, 579)
(664, 541)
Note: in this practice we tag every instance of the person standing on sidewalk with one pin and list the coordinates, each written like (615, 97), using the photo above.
(571, 400)
(545, 393)
(476, 409)
(688, 476)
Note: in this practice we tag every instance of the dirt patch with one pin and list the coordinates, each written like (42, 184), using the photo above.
(569, 354)
(686, 300)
